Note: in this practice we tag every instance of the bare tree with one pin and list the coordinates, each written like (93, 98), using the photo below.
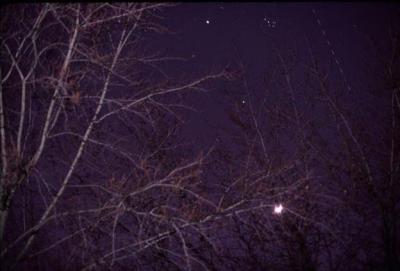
(93, 171)
(276, 166)
(89, 167)
(368, 164)
(307, 143)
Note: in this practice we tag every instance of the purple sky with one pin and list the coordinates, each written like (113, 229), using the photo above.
(247, 37)
(214, 34)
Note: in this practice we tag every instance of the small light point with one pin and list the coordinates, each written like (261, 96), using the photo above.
(278, 208)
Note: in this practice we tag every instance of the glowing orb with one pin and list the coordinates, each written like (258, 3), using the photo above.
(278, 209)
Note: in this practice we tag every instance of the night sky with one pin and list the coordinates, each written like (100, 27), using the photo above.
(200, 136)
(216, 35)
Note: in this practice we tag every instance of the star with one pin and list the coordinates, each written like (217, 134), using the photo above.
(207, 21)
(270, 23)
(278, 209)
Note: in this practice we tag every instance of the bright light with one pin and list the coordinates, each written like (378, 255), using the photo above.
(207, 21)
(278, 209)
(243, 101)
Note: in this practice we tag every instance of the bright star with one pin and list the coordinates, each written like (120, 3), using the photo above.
(207, 21)
(278, 209)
